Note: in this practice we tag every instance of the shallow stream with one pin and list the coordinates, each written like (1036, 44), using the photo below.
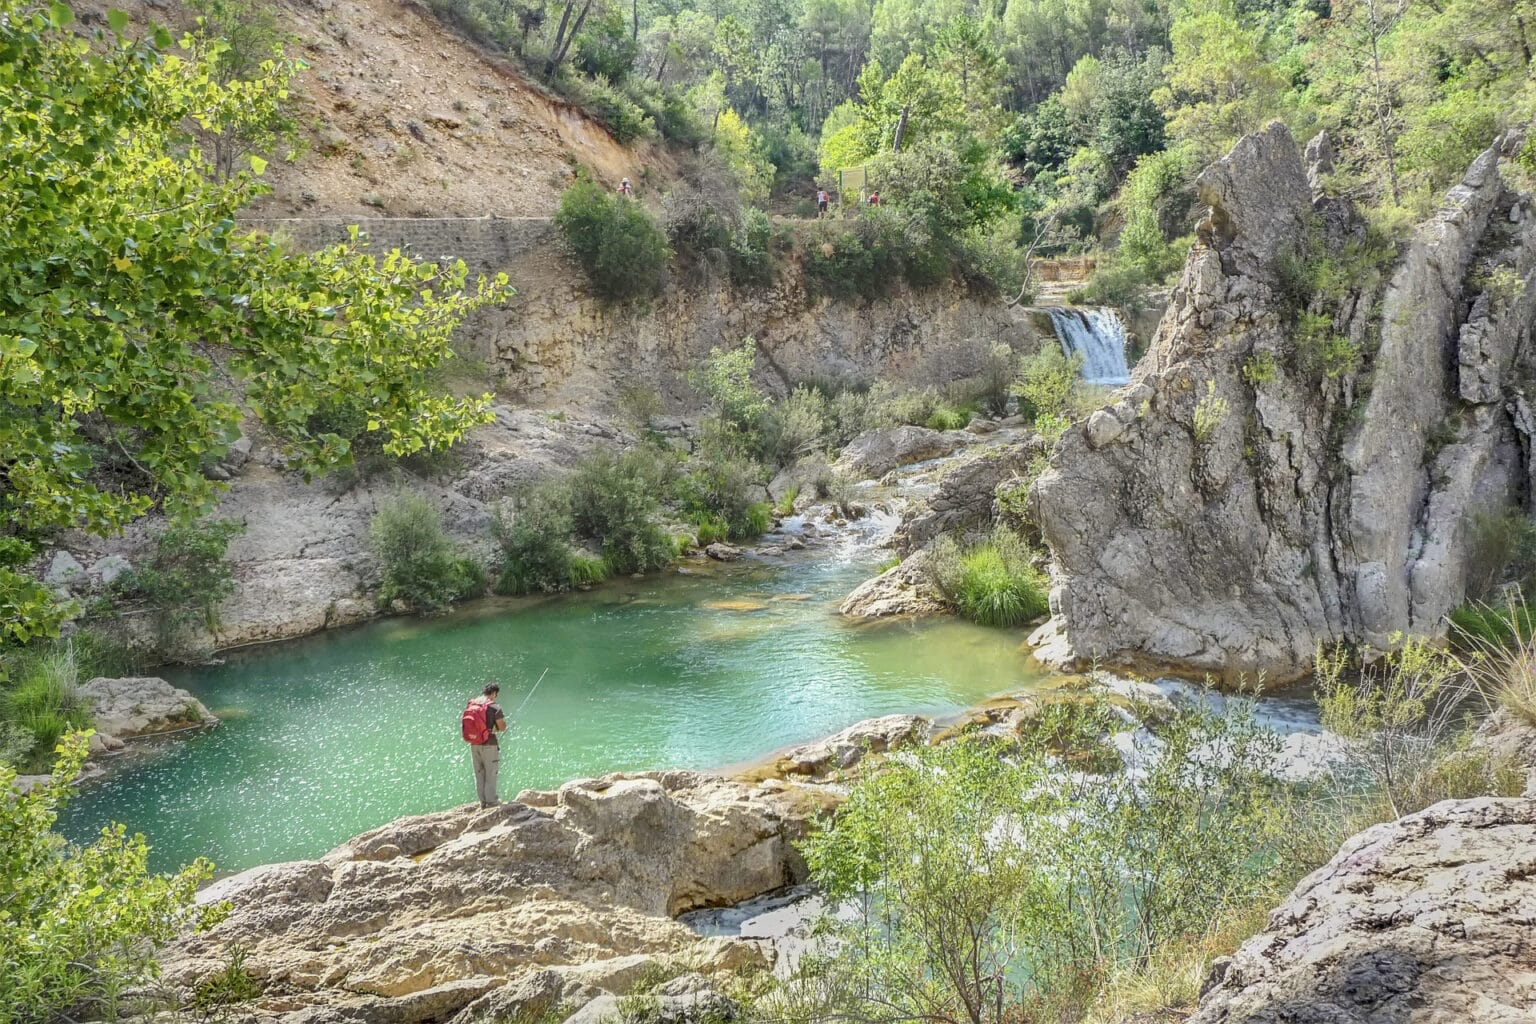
(326, 737)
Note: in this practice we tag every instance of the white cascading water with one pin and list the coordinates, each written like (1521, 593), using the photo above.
(1098, 335)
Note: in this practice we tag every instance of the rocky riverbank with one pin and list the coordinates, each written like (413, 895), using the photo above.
(123, 710)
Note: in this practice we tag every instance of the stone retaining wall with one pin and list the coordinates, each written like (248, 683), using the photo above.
(485, 244)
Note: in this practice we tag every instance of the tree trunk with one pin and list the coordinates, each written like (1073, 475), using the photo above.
(901, 128)
(554, 51)
(559, 58)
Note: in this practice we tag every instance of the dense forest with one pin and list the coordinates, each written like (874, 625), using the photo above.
(1053, 125)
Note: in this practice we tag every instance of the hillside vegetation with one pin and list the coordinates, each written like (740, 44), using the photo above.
(1034, 125)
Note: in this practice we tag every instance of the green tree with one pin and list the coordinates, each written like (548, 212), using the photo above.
(1221, 82)
(622, 250)
(80, 925)
(139, 324)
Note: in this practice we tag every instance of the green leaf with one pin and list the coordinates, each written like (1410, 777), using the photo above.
(117, 21)
(60, 15)
(258, 165)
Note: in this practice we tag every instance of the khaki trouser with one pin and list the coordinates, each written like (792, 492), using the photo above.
(486, 758)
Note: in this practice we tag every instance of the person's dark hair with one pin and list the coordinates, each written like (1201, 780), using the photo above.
(491, 689)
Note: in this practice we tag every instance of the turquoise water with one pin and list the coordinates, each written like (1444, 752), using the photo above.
(326, 737)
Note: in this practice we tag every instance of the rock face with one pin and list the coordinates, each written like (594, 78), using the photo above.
(1290, 465)
(127, 708)
(1425, 920)
(499, 910)
(965, 496)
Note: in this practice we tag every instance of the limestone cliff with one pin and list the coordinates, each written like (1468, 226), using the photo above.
(1289, 466)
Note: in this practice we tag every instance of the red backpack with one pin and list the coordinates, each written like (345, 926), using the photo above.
(473, 722)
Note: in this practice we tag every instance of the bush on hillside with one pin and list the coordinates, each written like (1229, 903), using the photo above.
(184, 579)
(535, 544)
(1046, 384)
(614, 500)
(622, 251)
(420, 565)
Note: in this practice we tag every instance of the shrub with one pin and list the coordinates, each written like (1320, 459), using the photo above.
(1046, 384)
(945, 418)
(999, 369)
(420, 566)
(751, 255)
(983, 876)
(1209, 412)
(724, 488)
(614, 502)
(1400, 715)
(42, 707)
(786, 506)
(993, 582)
(535, 545)
(185, 578)
(1502, 547)
(795, 427)
(615, 241)
(89, 918)
(702, 215)
(726, 381)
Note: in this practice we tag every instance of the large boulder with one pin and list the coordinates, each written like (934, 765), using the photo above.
(875, 453)
(1424, 920)
(487, 913)
(1242, 501)
(142, 706)
(904, 589)
(966, 494)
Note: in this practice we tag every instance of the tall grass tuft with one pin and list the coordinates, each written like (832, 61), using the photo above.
(45, 704)
(993, 582)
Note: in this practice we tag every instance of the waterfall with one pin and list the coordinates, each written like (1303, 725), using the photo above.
(1098, 335)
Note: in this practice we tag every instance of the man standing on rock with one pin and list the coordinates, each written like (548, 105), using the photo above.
(481, 721)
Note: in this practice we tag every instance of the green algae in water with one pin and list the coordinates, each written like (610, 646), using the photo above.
(326, 737)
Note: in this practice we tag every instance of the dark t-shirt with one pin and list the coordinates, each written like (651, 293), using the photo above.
(492, 716)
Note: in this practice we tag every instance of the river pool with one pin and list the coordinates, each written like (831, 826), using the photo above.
(328, 736)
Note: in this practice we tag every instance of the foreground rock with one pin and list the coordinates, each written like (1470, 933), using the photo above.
(1259, 487)
(505, 911)
(1425, 919)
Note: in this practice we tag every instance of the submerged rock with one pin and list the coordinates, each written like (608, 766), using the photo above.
(1424, 919)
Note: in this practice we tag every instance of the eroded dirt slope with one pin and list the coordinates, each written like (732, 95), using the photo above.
(405, 118)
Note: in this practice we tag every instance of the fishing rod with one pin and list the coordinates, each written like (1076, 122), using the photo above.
(518, 713)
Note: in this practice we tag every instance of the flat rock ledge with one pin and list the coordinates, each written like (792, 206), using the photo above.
(131, 708)
(557, 900)
(1430, 919)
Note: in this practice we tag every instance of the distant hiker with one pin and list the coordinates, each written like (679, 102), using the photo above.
(821, 203)
(625, 188)
(874, 198)
(481, 721)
